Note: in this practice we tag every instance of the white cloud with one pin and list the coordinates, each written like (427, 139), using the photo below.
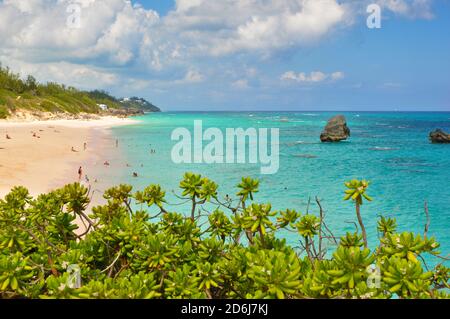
(39, 30)
(119, 32)
(115, 34)
(337, 75)
(415, 9)
(229, 26)
(80, 76)
(241, 84)
(289, 76)
(251, 72)
(391, 85)
(185, 5)
(193, 76)
(313, 77)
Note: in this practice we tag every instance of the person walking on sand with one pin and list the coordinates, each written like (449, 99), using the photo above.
(80, 174)
(85, 146)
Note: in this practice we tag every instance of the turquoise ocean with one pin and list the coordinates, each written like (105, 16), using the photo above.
(391, 150)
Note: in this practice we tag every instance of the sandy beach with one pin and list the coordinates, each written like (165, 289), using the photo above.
(45, 155)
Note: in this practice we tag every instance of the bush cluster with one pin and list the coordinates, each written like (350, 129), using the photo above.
(222, 247)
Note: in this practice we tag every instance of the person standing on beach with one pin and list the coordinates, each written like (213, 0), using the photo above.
(85, 146)
(80, 174)
(117, 143)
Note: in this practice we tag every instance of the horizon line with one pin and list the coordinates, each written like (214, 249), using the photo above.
(317, 111)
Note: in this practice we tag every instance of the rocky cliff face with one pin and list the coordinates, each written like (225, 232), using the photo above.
(124, 112)
(440, 137)
(336, 130)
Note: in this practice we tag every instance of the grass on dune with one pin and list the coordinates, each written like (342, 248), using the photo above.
(18, 94)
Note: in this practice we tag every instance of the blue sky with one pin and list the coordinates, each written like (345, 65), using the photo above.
(253, 54)
(161, 6)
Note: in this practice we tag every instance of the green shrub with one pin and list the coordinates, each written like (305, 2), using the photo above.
(4, 113)
(49, 97)
(233, 251)
(49, 106)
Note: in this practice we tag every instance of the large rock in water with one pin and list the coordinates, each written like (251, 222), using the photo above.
(439, 136)
(336, 130)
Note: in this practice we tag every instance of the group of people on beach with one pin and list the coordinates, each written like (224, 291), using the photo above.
(105, 163)
(80, 169)
(34, 134)
(84, 148)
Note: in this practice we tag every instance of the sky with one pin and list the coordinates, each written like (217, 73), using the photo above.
(238, 54)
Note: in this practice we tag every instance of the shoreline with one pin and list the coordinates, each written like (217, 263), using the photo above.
(102, 122)
(38, 154)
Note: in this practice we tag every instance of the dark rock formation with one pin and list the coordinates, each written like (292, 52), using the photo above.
(336, 130)
(124, 112)
(439, 136)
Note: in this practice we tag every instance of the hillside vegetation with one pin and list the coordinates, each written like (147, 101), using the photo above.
(139, 103)
(28, 94)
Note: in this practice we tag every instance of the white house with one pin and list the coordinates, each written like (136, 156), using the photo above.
(104, 107)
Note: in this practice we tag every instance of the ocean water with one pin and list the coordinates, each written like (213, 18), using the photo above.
(391, 150)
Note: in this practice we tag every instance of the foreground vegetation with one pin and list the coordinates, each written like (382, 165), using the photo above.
(233, 251)
(19, 94)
